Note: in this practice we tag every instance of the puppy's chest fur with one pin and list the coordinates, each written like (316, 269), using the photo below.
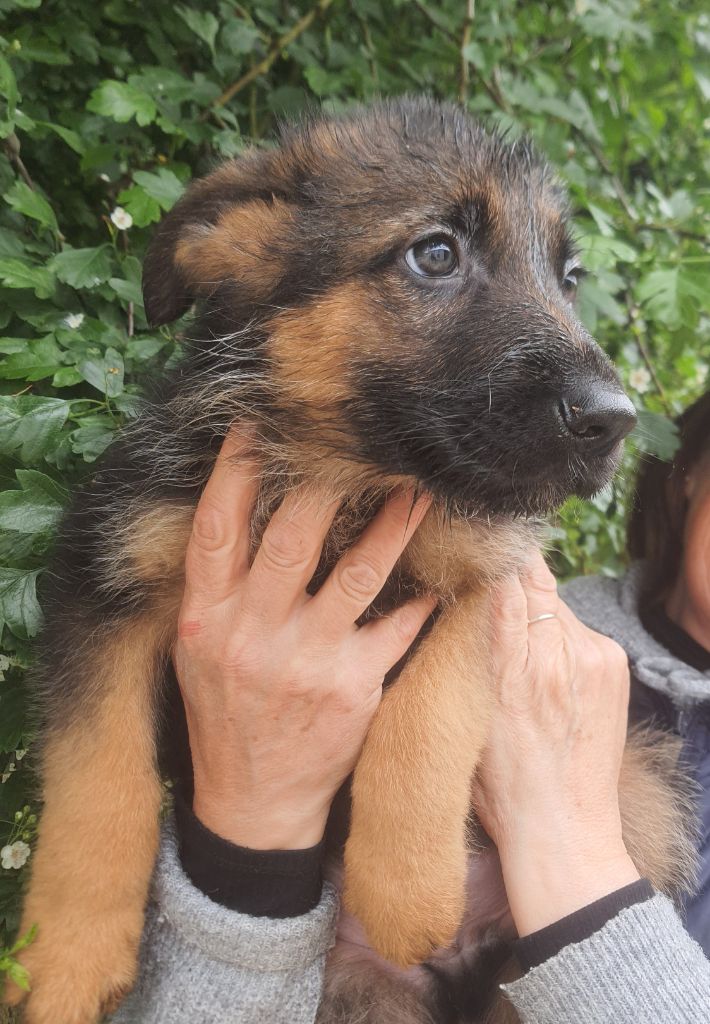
(447, 556)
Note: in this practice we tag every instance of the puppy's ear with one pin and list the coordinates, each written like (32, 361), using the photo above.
(229, 226)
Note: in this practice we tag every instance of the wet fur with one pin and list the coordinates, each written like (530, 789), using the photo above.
(355, 376)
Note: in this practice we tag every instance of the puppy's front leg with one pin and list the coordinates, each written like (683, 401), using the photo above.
(405, 860)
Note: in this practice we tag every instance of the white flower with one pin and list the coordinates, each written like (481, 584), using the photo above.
(74, 320)
(104, 177)
(121, 218)
(640, 379)
(19, 754)
(14, 855)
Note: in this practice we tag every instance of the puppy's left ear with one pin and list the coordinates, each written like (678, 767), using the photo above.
(230, 226)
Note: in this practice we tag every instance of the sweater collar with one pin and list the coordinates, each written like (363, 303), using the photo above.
(652, 662)
(611, 607)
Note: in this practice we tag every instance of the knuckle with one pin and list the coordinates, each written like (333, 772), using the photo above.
(209, 527)
(189, 625)
(285, 547)
(360, 578)
(404, 626)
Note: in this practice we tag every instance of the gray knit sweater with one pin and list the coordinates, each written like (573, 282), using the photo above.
(203, 964)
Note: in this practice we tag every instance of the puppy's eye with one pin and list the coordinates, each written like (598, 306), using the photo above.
(433, 257)
(571, 280)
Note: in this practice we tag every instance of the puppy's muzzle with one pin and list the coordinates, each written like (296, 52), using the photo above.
(594, 420)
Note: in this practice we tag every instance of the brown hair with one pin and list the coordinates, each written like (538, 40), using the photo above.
(657, 522)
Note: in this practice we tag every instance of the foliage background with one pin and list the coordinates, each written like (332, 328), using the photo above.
(118, 103)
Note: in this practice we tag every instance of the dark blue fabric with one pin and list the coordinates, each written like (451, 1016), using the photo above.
(693, 726)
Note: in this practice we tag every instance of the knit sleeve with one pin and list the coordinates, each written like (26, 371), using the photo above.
(642, 966)
(201, 963)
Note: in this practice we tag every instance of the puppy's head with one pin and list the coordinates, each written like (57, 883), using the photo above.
(413, 280)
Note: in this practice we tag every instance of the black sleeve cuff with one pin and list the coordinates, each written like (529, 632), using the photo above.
(262, 883)
(542, 945)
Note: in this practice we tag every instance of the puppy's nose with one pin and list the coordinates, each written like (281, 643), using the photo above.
(595, 420)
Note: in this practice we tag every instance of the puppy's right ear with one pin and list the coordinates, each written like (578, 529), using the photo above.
(216, 232)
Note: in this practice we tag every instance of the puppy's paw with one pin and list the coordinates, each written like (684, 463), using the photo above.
(77, 974)
(407, 909)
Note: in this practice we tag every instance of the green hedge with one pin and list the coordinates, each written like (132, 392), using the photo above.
(111, 107)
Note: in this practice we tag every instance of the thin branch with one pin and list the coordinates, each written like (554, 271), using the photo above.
(491, 88)
(646, 356)
(465, 40)
(11, 146)
(696, 236)
(265, 64)
(367, 37)
(615, 180)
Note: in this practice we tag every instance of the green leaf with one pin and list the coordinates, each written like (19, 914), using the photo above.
(142, 207)
(31, 427)
(104, 372)
(122, 101)
(656, 434)
(129, 291)
(19, 974)
(40, 481)
(31, 203)
(32, 509)
(34, 361)
(673, 295)
(203, 23)
(19, 608)
(91, 441)
(72, 138)
(8, 89)
(603, 252)
(16, 274)
(67, 377)
(163, 186)
(13, 723)
(83, 268)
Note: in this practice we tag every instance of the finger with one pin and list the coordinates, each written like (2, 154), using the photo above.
(509, 613)
(387, 639)
(361, 574)
(540, 590)
(288, 554)
(218, 549)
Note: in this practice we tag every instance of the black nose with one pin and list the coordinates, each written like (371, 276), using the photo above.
(596, 419)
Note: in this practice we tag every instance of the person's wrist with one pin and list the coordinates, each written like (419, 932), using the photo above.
(260, 824)
(556, 874)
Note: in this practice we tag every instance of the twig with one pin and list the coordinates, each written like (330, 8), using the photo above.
(430, 17)
(367, 36)
(465, 40)
(646, 356)
(696, 236)
(491, 88)
(130, 319)
(265, 64)
(616, 182)
(12, 148)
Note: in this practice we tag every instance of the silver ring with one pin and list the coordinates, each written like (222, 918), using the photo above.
(541, 618)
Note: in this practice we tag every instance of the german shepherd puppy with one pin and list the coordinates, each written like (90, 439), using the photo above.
(383, 299)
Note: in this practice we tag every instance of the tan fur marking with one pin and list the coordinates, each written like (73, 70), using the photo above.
(98, 837)
(243, 246)
(153, 547)
(657, 811)
(406, 858)
(312, 346)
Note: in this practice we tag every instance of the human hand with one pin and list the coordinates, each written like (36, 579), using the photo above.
(280, 687)
(548, 787)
